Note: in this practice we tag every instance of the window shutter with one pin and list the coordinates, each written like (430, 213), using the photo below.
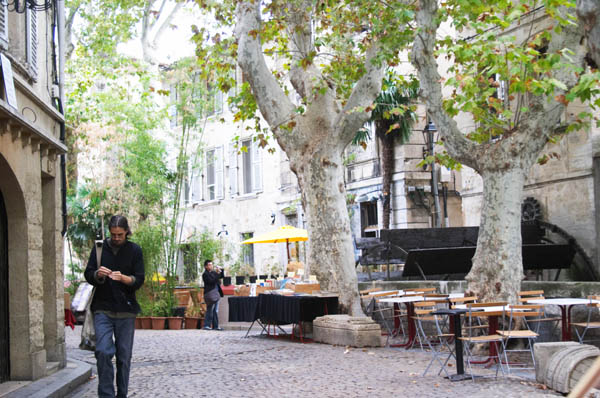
(256, 167)
(196, 187)
(32, 40)
(219, 172)
(3, 24)
(233, 171)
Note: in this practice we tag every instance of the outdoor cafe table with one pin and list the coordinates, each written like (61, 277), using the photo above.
(410, 312)
(275, 309)
(565, 305)
(458, 344)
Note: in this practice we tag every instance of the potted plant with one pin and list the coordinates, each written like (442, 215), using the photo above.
(194, 313)
(143, 320)
(160, 311)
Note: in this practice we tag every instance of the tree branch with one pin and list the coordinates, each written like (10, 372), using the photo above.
(364, 94)
(423, 59)
(302, 45)
(166, 22)
(274, 105)
(70, 47)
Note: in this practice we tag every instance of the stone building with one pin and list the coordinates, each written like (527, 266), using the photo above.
(31, 182)
(256, 191)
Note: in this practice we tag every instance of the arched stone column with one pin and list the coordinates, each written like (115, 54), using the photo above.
(27, 356)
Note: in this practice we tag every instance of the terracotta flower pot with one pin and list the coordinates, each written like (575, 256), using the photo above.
(138, 323)
(146, 322)
(158, 322)
(191, 322)
(175, 322)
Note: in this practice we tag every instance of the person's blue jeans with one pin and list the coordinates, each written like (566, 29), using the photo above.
(212, 315)
(106, 348)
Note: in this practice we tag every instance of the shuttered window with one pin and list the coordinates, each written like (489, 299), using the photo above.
(3, 25)
(233, 170)
(31, 40)
(219, 173)
(256, 167)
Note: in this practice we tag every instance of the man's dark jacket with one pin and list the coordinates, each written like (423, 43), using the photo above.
(112, 295)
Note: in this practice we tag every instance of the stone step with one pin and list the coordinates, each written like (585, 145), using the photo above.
(51, 368)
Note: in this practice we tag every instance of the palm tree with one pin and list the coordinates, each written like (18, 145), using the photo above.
(393, 119)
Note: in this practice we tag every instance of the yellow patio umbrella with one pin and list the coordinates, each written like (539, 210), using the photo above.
(286, 234)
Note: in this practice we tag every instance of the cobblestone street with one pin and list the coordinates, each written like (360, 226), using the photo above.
(192, 363)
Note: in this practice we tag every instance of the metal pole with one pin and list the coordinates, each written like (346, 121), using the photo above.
(434, 184)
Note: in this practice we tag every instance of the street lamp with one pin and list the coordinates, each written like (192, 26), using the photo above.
(428, 134)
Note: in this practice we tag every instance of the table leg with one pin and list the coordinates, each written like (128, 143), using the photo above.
(412, 329)
(564, 324)
(458, 348)
(569, 323)
(458, 345)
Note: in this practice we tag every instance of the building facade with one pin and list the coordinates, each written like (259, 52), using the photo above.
(31, 186)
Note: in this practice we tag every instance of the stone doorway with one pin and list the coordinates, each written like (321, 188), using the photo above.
(4, 347)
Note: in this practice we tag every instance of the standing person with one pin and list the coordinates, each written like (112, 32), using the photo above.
(117, 277)
(212, 295)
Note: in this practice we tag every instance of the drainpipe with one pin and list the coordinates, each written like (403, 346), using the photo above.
(60, 8)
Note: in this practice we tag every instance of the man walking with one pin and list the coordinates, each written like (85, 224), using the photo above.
(117, 277)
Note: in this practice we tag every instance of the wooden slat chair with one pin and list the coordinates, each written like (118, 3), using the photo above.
(429, 331)
(534, 324)
(593, 307)
(384, 313)
(440, 301)
(476, 311)
(526, 312)
(479, 324)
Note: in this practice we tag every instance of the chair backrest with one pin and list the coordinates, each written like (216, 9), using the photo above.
(383, 294)
(421, 289)
(523, 311)
(423, 308)
(486, 309)
(526, 295)
(462, 300)
(436, 298)
(476, 311)
(594, 302)
(371, 290)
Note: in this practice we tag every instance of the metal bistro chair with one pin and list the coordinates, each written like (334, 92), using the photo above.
(385, 314)
(525, 297)
(429, 330)
(525, 312)
(478, 326)
(592, 307)
(474, 312)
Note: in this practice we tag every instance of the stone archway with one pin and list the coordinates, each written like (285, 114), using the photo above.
(17, 260)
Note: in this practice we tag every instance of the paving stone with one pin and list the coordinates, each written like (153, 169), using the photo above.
(182, 363)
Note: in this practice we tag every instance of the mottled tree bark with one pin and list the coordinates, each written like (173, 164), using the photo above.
(588, 12)
(314, 142)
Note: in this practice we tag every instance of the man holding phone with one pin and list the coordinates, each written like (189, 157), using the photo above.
(117, 277)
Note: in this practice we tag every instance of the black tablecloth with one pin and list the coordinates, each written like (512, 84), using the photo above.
(243, 309)
(274, 308)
